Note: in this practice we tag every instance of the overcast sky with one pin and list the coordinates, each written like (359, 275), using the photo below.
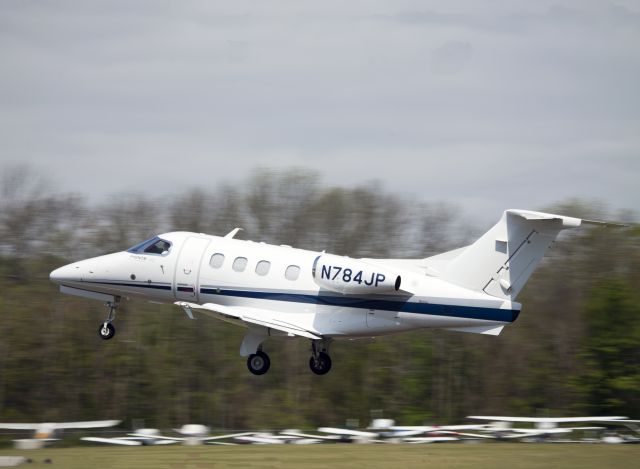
(486, 104)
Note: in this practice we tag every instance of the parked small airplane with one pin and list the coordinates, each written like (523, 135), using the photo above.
(289, 437)
(282, 291)
(192, 434)
(548, 426)
(385, 431)
(196, 434)
(142, 437)
(48, 432)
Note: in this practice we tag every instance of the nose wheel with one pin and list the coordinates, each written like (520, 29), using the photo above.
(107, 330)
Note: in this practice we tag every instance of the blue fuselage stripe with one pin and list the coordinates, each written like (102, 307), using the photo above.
(472, 312)
(131, 285)
(435, 309)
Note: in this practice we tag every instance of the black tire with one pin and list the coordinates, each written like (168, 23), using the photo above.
(258, 363)
(106, 331)
(322, 365)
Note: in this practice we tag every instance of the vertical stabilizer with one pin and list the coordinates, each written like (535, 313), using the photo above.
(503, 259)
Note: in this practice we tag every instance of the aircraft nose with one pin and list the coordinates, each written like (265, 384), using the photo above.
(67, 273)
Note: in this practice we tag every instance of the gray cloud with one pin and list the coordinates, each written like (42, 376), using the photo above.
(532, 102)
(451, 57)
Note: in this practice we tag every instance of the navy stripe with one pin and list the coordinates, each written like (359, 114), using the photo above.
(473, 312)
(133, 285)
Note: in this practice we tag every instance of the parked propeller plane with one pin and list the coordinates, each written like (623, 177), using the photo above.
(282, 291)
(192, 434)
(48, 432)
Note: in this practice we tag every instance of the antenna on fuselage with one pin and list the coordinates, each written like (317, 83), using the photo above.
(233, 232)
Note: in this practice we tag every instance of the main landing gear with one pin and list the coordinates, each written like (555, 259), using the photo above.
(320, 361)
(106, 330)
(258, 363)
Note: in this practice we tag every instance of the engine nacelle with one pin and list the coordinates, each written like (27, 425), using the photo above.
(353, 276)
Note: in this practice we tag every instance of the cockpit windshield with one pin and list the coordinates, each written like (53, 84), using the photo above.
(154, 245)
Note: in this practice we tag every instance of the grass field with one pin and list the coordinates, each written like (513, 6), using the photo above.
(339, 456)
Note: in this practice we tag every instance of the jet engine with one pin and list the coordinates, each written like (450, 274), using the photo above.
(353, 276)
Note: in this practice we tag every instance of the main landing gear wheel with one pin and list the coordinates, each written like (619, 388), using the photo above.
(107, 331)
(320, 364)
(258, 363)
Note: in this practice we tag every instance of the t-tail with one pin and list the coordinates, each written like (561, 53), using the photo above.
(501, 261)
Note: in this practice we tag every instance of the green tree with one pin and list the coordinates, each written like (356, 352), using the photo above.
(610, 352)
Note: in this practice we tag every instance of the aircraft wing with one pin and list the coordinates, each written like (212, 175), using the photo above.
(467, 434)
(21, 426)
(306, 441)
(112, 441)
(164, 442)
(91, 424)
(230, 435)
(261, 440)
(60, 425)
(437, 428)
(347, 432)
(310, 436)
(430, 439)
(546, 419)
(156, 437)
(255, 316)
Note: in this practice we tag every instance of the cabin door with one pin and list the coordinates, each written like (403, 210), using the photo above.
(188, 269)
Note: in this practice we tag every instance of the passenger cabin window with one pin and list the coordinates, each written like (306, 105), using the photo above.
(239, 264)
(154, 245)
(217, 260)
(292, 272)
(262, 267)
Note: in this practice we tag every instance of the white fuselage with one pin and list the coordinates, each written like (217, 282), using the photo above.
(280, 278)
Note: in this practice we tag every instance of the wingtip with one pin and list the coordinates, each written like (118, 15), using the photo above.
(608, 224)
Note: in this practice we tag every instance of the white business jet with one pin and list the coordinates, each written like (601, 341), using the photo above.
(281, 291)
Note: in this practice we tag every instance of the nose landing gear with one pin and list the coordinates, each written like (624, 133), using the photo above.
(106, 330)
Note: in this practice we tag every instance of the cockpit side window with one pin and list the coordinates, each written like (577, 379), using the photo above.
(159, 247)
(154, 245)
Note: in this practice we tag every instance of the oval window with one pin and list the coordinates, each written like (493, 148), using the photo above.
(292, 272)
(239, 264)
(262, 268)
(217, 260)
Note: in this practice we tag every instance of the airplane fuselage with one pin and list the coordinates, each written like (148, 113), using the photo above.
(204, 269)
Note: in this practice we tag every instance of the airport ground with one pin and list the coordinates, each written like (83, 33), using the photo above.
(476, 456)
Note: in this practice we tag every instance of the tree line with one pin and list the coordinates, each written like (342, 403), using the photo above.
(575, 348)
